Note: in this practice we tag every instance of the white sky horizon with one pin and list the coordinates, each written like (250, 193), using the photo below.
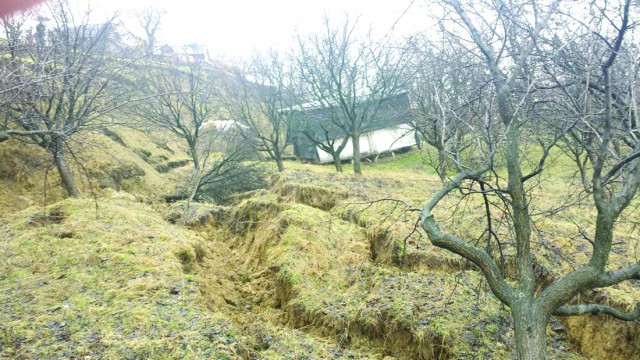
(234, 29)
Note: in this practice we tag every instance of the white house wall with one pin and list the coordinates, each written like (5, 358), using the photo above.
(347, 152)
(376, 142)
(393, 138)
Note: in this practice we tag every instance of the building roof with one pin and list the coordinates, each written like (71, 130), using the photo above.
(320, 122)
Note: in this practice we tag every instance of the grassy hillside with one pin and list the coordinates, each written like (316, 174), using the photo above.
(112, 282)
(113, 159)
(305, 269)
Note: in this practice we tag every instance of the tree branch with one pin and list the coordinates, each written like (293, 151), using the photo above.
(615, 277)
(6, 134)
(618, 166)
(596, 309)
(456, 245)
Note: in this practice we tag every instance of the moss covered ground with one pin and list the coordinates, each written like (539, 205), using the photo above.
(114, 282)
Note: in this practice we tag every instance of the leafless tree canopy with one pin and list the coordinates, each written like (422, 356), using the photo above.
(558, 78)
(351, 77)
(179, 99)
(258, 96)
(501, 89)
(150, 19)
(61, 81)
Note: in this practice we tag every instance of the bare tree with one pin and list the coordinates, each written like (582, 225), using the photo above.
(260, 98)
(63, 83)
(149, 20)
(14, 27)
(185, 100)
(320, 125)
(228, 172)
(541, 97)
(179, 99)
(444, 92)
(350, 77)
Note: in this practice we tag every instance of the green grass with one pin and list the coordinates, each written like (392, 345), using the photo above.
(328, 284)
(557, 243)
(114, 289)
(127, 284)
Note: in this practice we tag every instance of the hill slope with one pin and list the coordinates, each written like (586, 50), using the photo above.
(307, 268)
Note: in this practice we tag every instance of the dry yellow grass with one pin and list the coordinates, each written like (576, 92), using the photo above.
(113, 282)
(302, 254)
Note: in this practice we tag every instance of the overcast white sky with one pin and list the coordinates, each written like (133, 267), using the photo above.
(232, 28)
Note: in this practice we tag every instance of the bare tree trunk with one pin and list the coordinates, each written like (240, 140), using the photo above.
(194, 156)
(442, 164)
(66, 176)
(530, 325)
(337, 162)
(276, 155)
(280, 163)
(416, 135)
(195, 186)
(356, 154)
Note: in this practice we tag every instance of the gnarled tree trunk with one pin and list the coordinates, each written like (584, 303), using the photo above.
(66, 175)
(530, 325)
